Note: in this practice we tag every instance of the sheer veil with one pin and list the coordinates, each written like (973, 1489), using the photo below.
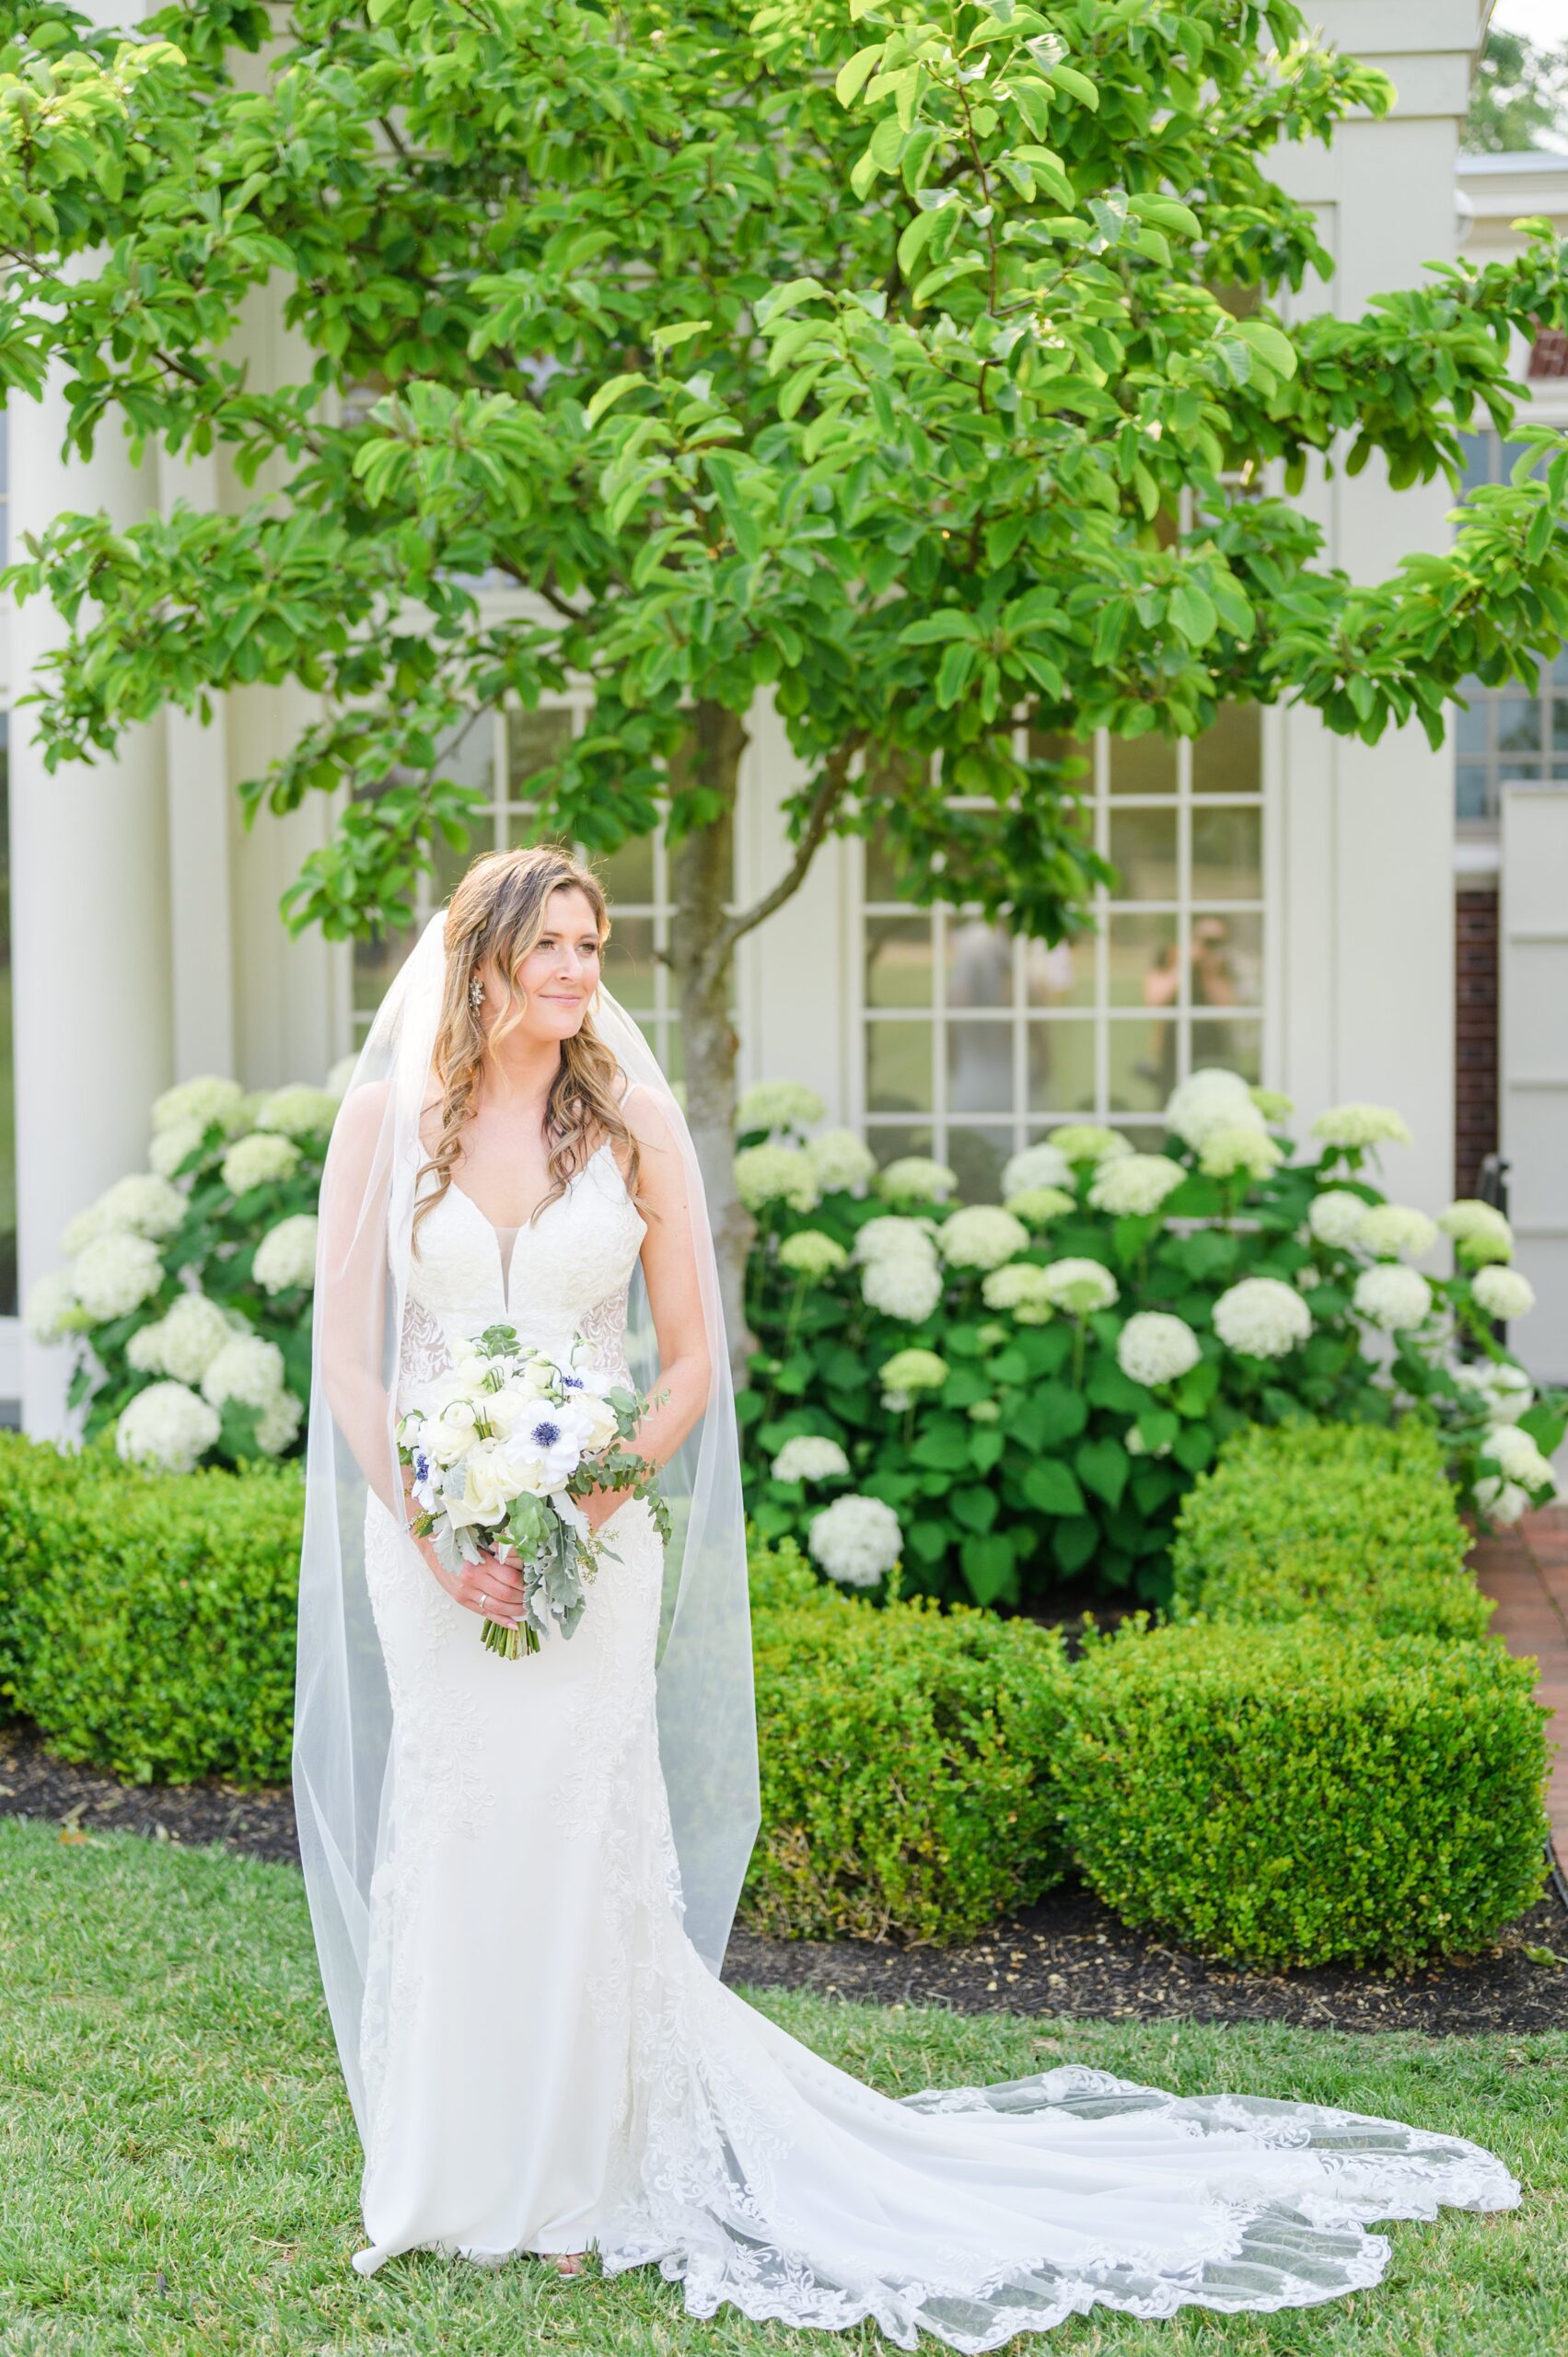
(342, 1716)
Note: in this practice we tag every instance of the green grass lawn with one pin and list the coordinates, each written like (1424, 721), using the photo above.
(178, 2166)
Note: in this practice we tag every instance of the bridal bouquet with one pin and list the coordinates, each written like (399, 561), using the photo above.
(509, 1443)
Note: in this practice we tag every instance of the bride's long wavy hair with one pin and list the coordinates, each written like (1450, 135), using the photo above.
(498, 912)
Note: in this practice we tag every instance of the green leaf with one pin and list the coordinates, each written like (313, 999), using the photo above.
(853, 76)
(1051, 1487)
(679, 332)
(934, 630)
(1270, 345)
(989, 1569)
(1103, 1465)
(1073, 1542)
(976, 1508)
(944, 1445)
(1061, 1413)
(610, 392)
(928, 1540)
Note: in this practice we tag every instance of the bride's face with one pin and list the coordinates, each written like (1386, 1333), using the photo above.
(560, 974)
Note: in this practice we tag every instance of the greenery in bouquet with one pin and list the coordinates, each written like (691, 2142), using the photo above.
(186, 1295)
(1003, 1397)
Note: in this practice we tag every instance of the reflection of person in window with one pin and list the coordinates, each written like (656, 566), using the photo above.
(1212, 984)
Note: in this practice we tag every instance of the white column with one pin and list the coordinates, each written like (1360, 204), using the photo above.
(196, 755)
(91, 915)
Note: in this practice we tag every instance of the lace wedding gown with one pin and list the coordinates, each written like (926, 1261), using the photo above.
(549, 2065)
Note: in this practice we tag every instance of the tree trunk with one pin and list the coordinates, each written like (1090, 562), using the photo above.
(702, 868)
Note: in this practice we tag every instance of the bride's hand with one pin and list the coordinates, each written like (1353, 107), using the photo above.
(490, 1587)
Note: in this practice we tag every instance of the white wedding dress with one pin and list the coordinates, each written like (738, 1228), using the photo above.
(549, 2066)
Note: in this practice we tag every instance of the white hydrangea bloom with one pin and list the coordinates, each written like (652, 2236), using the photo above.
(913, 1370)
(1519, 1458)
(1229, 1149)
(1088, 1142)
(1079, 1287)
(774, 1174)
(286, 1255)
(200, 1102)
(1208, 1100)
(143, 1351)
(857, 1541)
(50, 1304)
(185, 1340)
(811, 1456)
(1037, 1206)
(278, 1424)
(841, 1160)
(1503, 1293)
(915, 1178)
(902, 1285)
(1273, 1104)
(1362, 1125)
(297, 1110)
(166, 1426)
(168, 1146)
(1136, 1185)
(778, 1105)
(1021, 1287)
(890, 1237)
(1262, 1317)
(115, 1273)
(1335, 1217)
(1153, 1347)
(249, 1368)
(811, 1255)
(1393, 1296)
(141, 1204)
(1501, 1502)
(258, 1159)
(1388, 1229)
(981, 1235)
(1036, 1165)
(1504, 1387)
(1479, 1230)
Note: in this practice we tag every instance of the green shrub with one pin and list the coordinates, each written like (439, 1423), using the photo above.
(148, 1624)
(1353, 1522)
(901, 1751)
(1300, 1796)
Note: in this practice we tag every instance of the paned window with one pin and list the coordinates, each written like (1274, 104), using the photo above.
(974, 1041)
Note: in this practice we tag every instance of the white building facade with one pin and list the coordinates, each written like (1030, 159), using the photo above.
(1286, 903)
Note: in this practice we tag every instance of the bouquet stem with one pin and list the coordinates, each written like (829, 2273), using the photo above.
(509, 1642)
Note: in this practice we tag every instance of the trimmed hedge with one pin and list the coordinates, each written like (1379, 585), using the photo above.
(147, 1626)
(1296, 1796)
(905, 1754)
(1356, 1522)
(147, 1623)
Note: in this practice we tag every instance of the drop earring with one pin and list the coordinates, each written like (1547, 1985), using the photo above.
(476, 995)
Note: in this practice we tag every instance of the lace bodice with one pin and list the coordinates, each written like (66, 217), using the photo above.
(568, 1273)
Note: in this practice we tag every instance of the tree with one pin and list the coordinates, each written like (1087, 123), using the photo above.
(881, 364)
(1520, 93)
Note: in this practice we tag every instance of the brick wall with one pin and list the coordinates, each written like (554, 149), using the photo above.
(1475, 1034)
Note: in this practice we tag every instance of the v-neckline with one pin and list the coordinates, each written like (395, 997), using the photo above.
(505, 1267)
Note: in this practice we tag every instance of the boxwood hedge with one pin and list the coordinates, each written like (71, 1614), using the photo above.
(1296, 1795)
(1353, 1521)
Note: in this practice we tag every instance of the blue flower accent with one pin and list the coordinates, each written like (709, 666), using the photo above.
(546, 1434)
(573, 1382)
(421, 1466)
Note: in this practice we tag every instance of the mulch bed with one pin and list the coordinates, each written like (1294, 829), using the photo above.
(1068, 1956)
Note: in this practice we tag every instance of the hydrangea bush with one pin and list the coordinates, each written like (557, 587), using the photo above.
(1001, 1397)
(186, 1295)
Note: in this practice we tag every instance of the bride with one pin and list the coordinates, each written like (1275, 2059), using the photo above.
(522, 1873)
